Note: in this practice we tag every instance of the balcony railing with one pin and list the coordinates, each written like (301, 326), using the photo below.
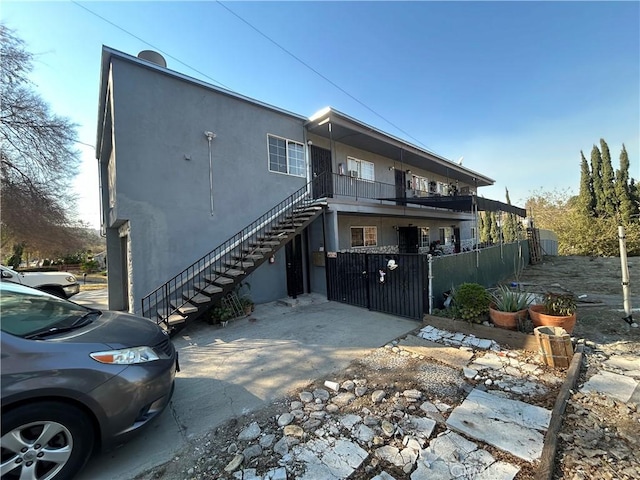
(359, 189)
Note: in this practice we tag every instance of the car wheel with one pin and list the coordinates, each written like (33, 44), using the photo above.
(44, 441)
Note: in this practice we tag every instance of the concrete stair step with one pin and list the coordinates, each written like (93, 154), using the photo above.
(231, 272)
(258, 250)
(196, 297)
(207, 288)
(219, 279)
(249, 256)
(240, 265)
(173, 317)
(268, 241)
(286, 224)
(185, 309)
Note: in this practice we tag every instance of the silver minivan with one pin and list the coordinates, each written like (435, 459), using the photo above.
(74, 381)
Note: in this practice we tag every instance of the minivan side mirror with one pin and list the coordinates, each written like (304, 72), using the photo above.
(6, 274)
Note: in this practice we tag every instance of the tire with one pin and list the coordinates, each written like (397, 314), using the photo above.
(64, 453)
(58, 292)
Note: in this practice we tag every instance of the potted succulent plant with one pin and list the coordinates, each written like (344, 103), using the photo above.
(508, 307)
(558, 310)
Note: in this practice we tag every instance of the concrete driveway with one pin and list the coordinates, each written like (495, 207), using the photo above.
(229, 371)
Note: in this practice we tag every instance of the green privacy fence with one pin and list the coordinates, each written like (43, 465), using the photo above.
(487, 266)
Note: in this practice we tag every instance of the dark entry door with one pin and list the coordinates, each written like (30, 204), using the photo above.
(401, 185)
(408, 240)
(456, 239)
(295, 276)
(321, 172)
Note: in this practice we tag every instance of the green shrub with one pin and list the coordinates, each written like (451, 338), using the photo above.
(221, 314)
(472, 302)
(90, 266)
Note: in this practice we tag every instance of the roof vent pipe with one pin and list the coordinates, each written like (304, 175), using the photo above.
(153, 57)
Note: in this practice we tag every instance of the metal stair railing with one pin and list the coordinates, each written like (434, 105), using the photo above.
(168, 299)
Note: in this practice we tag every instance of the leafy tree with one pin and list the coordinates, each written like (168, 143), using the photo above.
(37, 158)
(586, 196)
(579, 234)
(622, 189)
(609, 200)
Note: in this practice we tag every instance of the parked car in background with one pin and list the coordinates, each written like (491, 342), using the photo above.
(74, 380)
(61, 284)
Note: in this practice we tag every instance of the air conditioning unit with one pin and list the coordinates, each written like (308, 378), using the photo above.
(353, 173)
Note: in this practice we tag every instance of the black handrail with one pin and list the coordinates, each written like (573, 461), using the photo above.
(169, 298)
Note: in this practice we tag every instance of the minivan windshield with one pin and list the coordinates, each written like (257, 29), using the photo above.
(25, 310)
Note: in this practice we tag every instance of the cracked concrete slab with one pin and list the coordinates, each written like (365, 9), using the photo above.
(611, 384)
(510, 425)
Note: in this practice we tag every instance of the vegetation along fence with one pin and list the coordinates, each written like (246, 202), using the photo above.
(487, 267)
(401, 287)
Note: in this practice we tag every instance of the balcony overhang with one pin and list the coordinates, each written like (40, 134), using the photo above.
(463, 203)
(338, 127)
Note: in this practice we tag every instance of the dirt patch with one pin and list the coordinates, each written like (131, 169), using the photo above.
(597, 282)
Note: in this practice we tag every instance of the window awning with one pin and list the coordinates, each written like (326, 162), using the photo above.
(462, 203)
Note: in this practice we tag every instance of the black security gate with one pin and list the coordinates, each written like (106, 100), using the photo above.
(385, 283)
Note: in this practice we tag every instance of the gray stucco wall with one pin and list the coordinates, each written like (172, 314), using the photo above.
(162, 172)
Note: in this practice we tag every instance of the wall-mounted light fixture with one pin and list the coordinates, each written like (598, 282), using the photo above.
(391, 168)
(408, 172)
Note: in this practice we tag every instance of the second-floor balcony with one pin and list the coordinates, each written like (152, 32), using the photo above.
(355, 189)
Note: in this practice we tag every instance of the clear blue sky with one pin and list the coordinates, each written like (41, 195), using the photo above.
(516, 88)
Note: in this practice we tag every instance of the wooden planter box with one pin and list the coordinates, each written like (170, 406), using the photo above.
(506, 338)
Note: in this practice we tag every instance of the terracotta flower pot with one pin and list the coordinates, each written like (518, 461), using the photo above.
(508, 320)
(541, 319)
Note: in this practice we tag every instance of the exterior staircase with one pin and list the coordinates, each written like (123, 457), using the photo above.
(207, 281)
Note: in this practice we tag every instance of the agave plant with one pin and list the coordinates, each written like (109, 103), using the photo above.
(507, 300)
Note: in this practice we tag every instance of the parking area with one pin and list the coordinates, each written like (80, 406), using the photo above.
(227, 372)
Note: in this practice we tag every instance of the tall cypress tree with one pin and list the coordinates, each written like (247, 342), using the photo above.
(509, 230)
(586, 198)
(486, 229)
(634, 193)
(609, 199)
(625, 202)
(596, 179)
(480, 232)
(494, 231)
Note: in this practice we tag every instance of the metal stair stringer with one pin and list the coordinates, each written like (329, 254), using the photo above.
(203, 284)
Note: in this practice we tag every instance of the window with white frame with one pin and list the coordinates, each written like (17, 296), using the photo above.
(286, 156)
(364, 236)
(360, 169)
(424, 237)
(420, 183)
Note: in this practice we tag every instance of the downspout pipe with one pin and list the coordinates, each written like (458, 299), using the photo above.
(210, 136)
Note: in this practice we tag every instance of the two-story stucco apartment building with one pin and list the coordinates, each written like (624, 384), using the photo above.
(201, 186)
